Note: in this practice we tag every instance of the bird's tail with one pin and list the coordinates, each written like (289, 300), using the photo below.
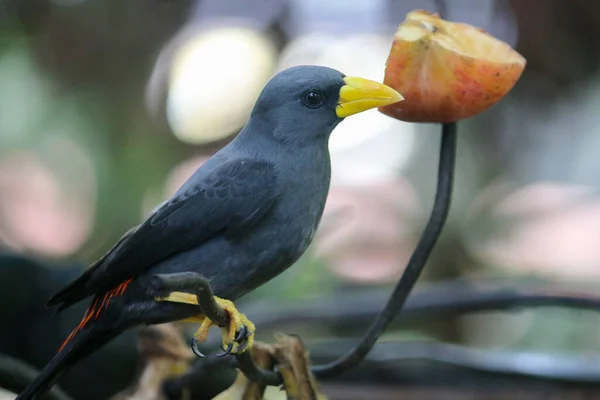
(81, 345)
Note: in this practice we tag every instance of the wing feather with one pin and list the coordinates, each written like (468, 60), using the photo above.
(230, 200)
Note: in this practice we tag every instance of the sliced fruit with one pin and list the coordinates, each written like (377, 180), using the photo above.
(447, 71)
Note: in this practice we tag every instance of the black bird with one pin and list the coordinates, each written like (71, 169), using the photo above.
(241, 219)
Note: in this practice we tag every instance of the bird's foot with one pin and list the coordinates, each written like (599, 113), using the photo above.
(237, 337)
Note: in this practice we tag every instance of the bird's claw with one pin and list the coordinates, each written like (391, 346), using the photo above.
(195, 350)
(242, 334)
(241, 339)
(238, 336)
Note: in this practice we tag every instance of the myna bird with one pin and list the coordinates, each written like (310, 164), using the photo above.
(242, 218)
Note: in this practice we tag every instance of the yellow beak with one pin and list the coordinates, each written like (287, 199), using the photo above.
(359, 94)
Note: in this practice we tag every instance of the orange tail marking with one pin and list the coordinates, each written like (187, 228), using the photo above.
(93, 311)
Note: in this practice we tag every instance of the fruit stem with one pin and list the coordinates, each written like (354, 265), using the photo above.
(437, 219)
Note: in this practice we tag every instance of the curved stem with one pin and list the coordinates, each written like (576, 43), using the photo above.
(416, 263)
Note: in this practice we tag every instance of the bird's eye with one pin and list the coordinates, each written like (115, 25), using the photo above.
(313, 99)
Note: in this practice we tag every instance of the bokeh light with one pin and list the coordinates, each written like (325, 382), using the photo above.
(373, 238)
(41, 211)
(553, 231)
(214, 79)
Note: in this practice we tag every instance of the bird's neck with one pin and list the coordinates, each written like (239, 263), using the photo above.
(261, 137)
(306, 160)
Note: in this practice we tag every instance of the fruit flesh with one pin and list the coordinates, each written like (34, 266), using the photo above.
(447, 71)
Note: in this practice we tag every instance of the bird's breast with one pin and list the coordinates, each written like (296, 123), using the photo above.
(299, 213)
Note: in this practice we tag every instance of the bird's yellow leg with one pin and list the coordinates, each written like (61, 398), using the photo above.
(180, 297)
(238, 322)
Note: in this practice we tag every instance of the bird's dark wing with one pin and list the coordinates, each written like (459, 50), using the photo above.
(230, 200)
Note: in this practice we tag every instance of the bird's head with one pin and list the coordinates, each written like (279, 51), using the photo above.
(306, 102)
